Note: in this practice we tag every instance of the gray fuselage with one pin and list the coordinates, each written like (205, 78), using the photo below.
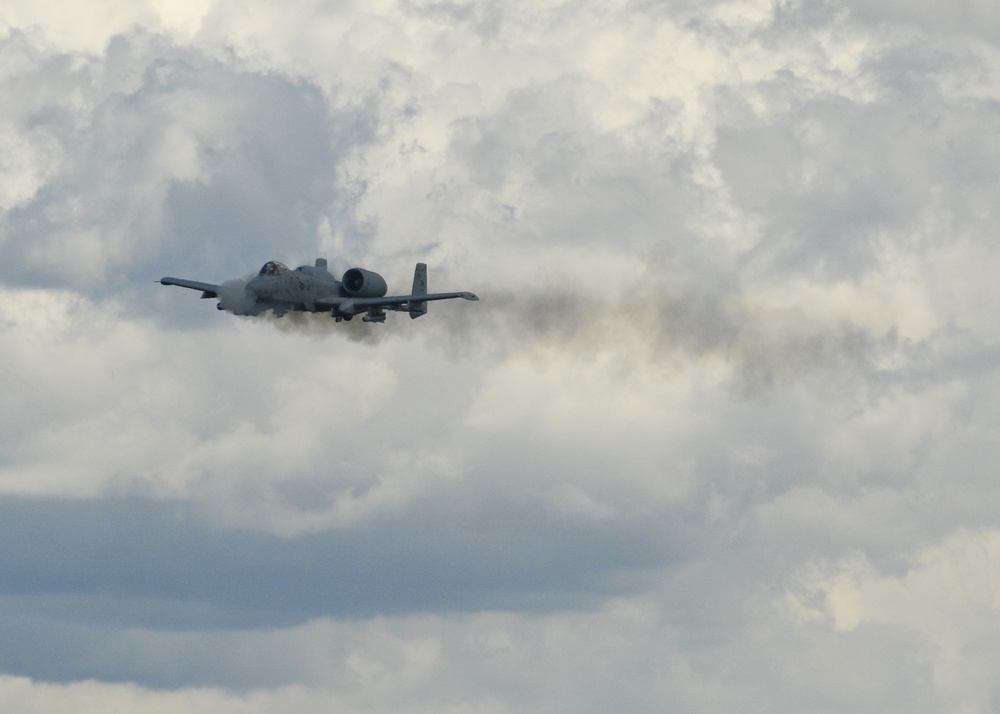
(282, 289)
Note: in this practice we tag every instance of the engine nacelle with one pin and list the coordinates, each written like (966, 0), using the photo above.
(364, 283)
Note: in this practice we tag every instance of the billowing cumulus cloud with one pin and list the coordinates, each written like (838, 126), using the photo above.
(719, 432)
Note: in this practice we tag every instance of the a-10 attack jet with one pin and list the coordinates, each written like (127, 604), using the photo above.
(312, 288)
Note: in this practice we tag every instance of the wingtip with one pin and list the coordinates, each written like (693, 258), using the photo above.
(471, 296)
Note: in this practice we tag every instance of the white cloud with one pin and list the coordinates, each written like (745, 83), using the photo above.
(719, 432)
(948, 595)
(27, 165)
(969, 18)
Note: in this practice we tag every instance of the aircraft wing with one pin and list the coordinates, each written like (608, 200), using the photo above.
(207, 289)
(352, 303)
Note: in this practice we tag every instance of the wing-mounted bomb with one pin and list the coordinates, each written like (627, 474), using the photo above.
(358, 282)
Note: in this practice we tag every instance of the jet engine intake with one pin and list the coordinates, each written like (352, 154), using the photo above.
(364, 283)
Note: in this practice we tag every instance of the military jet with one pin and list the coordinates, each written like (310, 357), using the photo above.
(312, 288)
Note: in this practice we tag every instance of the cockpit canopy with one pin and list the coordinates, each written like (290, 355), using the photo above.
(273, 268)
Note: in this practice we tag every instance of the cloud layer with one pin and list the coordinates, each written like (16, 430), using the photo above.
(719, 433)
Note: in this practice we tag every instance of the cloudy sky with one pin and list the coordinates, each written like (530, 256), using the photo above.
(720, 436)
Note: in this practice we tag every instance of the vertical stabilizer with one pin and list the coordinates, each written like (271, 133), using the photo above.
(321, 263)
(418, 308)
